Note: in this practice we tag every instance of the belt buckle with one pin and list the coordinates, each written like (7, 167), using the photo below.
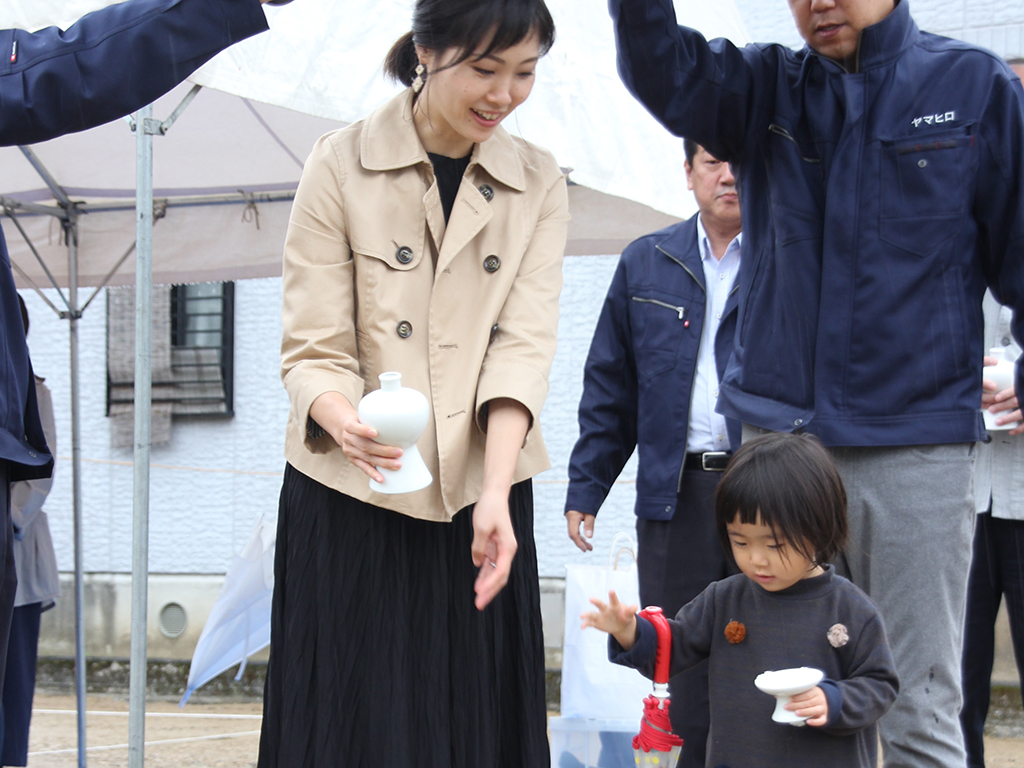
(714, 455)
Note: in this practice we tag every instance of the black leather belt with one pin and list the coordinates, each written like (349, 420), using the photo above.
(709, 461)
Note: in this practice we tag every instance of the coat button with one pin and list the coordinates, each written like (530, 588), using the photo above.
(487, 191)
(404, 329)
(922, 163)
(492, 263)
(404, 254)
(494, 331)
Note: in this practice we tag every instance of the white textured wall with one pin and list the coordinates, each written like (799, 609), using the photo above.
(586, 282)
(208, 485)
(212, 481)
(994, 24)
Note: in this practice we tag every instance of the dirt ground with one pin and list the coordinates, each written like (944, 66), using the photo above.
(221, 735)
(224, 735)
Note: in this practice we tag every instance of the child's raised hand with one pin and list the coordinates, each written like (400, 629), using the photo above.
(811, 704)
(613, 617)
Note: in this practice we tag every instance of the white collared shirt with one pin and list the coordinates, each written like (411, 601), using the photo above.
(707, 430)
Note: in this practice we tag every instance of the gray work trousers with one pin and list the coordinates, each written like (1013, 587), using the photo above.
(911, 511)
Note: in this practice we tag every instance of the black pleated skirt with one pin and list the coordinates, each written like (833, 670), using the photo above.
(378, 657)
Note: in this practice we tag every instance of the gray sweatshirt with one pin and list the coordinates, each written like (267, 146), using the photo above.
(795, 627)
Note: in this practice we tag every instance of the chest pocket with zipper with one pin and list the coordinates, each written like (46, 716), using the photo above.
(658, 324)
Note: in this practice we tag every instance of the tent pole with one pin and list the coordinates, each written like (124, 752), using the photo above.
(71, 233)
(142, 400)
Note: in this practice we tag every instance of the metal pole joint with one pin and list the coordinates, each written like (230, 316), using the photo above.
(154, 127)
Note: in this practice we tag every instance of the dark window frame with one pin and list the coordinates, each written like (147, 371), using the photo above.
(180, 332)
(176, 391)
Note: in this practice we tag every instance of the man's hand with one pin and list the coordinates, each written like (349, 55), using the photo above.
(573, 520)
(811, 704)
(613, 617)
(1004, 402)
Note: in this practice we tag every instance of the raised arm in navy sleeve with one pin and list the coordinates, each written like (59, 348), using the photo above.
(705, 91)
(111, 62)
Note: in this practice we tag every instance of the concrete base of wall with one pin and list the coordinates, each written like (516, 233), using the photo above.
(108, 630)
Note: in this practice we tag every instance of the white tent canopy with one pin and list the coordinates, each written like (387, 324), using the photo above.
(315, 60)
(222, 148)
(323, 58)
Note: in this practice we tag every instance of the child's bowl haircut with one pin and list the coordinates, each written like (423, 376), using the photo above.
(791, 483)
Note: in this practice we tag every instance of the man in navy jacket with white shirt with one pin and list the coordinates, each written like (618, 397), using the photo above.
(112, 62)
(651, 380)
(882, 172)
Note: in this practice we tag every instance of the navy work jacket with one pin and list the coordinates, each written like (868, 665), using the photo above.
(877, 205)
(639, 374)
(110, 63)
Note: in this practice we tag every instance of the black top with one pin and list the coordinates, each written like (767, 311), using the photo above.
(449, 172)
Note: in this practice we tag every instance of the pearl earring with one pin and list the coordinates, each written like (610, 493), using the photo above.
(417, 84)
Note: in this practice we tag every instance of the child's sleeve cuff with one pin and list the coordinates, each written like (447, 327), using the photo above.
(834, 697)
(644, 648)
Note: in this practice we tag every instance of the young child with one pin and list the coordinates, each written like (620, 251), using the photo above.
(780, 509)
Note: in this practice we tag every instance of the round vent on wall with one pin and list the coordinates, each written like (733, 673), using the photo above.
(173, 620)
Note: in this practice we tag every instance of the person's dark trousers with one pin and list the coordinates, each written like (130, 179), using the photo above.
(9, 576)
(997, 571)
(676, 560)
(19, 684)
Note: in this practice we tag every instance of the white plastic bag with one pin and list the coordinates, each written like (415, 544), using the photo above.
(592, 686)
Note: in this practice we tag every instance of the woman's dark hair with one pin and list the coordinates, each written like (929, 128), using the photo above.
(439, 25)
(791, 484)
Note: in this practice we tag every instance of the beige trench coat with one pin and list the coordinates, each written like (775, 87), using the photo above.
(362, 295)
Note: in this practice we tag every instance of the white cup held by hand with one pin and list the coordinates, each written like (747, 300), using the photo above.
(784, 684)
(1002, 375)
(399, 414)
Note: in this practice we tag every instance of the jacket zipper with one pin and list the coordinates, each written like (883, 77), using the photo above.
(780, 131)
(686, 432)
(681, 311)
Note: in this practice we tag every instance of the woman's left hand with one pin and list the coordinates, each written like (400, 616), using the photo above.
(494, 546)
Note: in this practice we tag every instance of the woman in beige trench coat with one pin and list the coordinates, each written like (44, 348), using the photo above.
(425, 240)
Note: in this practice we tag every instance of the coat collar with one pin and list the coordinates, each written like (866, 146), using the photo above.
(883, 42)
(388, 141)
(680, 245)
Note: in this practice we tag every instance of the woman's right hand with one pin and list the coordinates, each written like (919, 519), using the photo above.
(340, 420)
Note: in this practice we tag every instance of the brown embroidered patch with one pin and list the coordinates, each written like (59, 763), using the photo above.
(735, 632)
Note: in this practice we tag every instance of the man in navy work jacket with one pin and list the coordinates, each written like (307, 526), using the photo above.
(651, 380)
(881, 172)
(110, 63)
